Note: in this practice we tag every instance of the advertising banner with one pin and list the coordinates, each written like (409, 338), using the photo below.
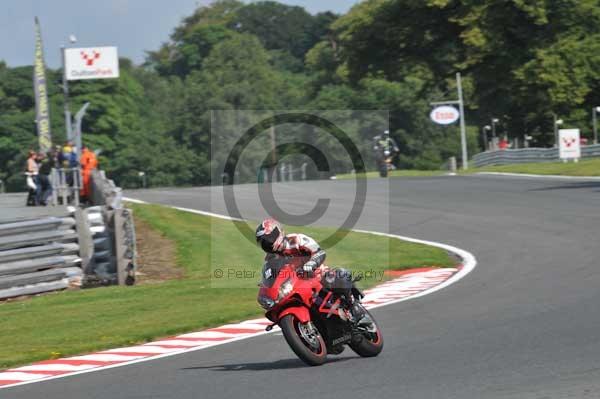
(444, 115)
(91, 63)
(40, 88)
(569, 144)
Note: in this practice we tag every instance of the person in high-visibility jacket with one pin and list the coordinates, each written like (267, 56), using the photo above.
(88, 163)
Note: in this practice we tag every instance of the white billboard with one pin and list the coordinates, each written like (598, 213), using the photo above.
(569, 144)
(91, 63)
(444, 115)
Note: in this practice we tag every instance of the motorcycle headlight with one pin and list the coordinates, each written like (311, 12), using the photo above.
(266, 302)
(285, 289)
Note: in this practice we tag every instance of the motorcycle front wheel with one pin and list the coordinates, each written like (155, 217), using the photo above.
(383, 169)
(370, 343)
(304, 339)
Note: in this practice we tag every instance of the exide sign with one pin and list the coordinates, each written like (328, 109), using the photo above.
(92, 63)
(444, 115)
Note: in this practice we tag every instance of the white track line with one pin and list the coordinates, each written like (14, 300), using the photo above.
(378, 294)
(538, 176)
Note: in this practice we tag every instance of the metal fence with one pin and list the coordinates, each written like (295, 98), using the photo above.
(66, 183)
(528, 155)
(282, 172)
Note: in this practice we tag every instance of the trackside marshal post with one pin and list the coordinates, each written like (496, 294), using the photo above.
(42, 110)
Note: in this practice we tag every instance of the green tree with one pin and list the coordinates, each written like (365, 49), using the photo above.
(520, 59)
(282, 27)
(17, 121)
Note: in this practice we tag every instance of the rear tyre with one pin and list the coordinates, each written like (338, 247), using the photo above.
(370, 342)
(304, 339)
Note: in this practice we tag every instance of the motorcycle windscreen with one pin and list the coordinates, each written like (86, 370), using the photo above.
(271, 269)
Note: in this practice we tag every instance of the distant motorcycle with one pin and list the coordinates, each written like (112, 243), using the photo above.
(386, 149)
(386, 163)
(315, 320)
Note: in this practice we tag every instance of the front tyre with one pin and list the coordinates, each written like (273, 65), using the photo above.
(383, 169)
(370, 340)
(304, 339)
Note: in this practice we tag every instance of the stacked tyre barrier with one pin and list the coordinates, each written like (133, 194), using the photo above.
(528, 155)
(39, 255)
(81, 247)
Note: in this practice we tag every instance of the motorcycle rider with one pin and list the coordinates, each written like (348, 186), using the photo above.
(272, 239)
(383, 142)
(384, 146)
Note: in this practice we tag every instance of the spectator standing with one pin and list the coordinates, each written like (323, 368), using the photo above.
(88, 162)
(31, 171)
(59, 156)
(73, 158)
(62, 159)
(69, 161)
(45, 164)
(65, 155)
(55, 155)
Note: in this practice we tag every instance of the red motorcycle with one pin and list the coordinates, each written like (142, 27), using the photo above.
(315, 317)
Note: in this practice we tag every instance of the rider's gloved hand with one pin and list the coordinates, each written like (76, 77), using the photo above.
(309, 266)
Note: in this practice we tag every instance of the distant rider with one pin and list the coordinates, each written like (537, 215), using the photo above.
(384, 146)
(383, 142)
(272, 239)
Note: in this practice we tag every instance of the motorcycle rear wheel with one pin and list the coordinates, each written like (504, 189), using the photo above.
(305, 340)
(371, 343)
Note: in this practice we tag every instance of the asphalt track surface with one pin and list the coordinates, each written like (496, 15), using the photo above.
(524, 324)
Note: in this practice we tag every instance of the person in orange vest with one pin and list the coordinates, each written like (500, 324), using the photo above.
(88, 163)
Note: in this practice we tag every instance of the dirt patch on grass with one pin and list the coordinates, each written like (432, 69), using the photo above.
(156, 255)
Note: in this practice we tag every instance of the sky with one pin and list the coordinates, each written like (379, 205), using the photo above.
(132, 25)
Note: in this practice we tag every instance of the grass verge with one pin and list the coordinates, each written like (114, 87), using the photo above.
(585, 167)
(75, 322)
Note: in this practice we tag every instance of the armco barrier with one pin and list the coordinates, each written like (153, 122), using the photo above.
(113, 234)
(105, 191)
(528, 155)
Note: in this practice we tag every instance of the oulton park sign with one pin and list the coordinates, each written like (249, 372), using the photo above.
(444, 115)
(92, 63)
